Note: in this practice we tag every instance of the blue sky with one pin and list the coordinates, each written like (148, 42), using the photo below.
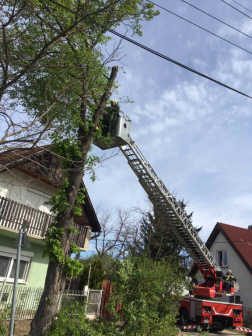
(196, 134)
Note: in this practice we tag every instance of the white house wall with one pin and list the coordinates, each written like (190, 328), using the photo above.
(239, 270)
(26, 189)
(30, 191)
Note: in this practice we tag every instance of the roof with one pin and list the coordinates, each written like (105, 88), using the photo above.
(14, 157)
(50, 171)
(239, 238)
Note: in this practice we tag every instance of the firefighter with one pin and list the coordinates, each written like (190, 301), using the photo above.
(228, 280)
(114, 109)
(111, 112)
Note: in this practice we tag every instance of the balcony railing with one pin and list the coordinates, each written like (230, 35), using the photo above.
(13, 215)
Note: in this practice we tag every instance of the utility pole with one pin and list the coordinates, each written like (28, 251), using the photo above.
(22, 240)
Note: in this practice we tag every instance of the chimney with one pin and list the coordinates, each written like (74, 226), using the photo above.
(250, 227)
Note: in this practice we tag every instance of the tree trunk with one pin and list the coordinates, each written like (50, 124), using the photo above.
(56, 278)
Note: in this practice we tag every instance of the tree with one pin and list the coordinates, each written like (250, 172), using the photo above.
(148, 292)
(55, 76)
(96, 275)
(40, 47)
(156, 240)
(113, 241)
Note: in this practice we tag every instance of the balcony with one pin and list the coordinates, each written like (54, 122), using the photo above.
(13, 215)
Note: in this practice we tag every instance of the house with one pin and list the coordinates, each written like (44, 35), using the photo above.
(232, 248)
(27, 180)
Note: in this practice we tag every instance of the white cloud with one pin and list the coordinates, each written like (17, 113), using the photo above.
(243, 202)
(195, 133)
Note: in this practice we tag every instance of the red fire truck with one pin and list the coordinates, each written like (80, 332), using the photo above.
(204, 306)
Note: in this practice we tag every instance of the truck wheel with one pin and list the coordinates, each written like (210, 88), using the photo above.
(184, 317)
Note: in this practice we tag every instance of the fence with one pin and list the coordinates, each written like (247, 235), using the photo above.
(14, 214)
(93, 298)
(107, 289)
(28, 300)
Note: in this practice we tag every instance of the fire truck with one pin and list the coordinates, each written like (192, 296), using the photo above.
(204, 306)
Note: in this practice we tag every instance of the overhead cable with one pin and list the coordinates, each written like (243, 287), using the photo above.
(236, 9)
(159, 54)
(134, 240)
(217, 19)
(208, 31)
(173, 61)
(243, 6)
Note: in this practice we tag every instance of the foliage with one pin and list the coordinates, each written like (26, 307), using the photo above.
(83, 78)
(72, 321)
(157, 241)
(72, 267)
(4, 316)
(96, 276)
(54, 251)
(248, 318)
(56, 71)
(74, 248)
(148, 291)
(59, 202)
(53, 247)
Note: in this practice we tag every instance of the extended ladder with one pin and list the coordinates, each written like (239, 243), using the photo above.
(168, 207)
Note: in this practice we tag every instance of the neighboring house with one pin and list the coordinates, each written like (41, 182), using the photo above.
(232, 248)
(27, 180)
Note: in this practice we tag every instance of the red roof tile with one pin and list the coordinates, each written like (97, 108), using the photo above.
(239, 238)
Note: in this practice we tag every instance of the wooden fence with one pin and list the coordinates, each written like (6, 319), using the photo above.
(107, 289)
(13, 215)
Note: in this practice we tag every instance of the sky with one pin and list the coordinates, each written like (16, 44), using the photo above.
(196, 134)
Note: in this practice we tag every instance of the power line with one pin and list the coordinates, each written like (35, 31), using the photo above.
(208, 31)
(133, 240)
(215, 18)
(160, 55)
(243, 6)
(175, 62)
(236, 9)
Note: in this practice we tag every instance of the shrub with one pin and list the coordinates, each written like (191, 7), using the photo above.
(5, 314)
(248, 318)
(149, 292)
(72, 321)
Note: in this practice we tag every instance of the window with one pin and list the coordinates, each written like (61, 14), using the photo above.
(36, 199)
(222, 258)
(8, 267)
(237, 299)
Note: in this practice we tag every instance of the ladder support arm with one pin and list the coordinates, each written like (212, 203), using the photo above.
(168, 207)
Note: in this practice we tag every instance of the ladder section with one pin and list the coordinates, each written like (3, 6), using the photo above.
(168, 207)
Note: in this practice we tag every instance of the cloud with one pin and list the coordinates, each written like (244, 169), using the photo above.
(195, 133)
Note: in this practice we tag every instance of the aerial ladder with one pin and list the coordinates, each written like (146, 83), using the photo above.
(200, 306)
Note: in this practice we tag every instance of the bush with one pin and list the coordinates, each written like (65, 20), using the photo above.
(149, 292)
(72, 321)
(248, 318)
(5, 314)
